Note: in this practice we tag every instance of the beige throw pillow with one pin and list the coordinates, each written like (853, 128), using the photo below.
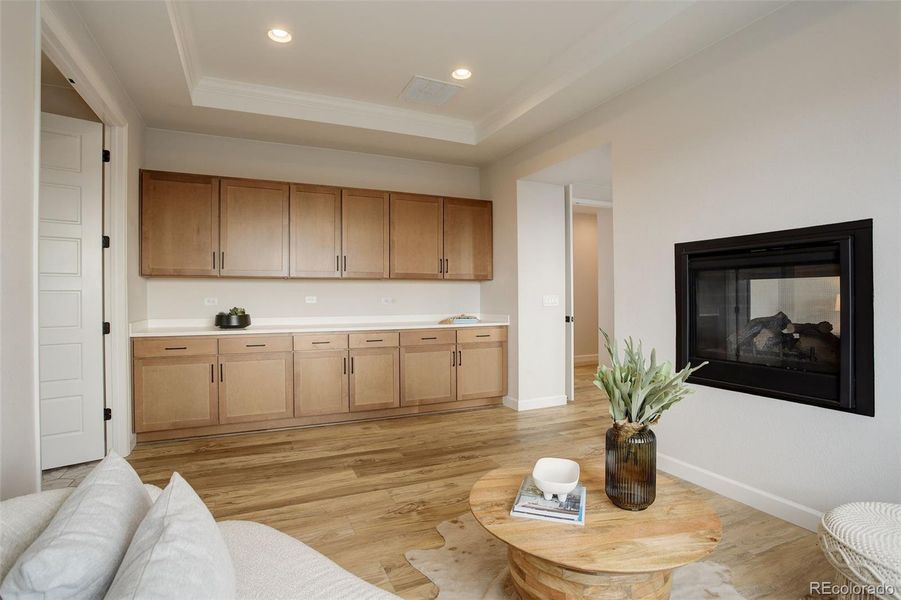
(177, 552)
(79, 552)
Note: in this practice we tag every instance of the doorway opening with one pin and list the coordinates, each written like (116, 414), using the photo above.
(587, 193)
(70, 276)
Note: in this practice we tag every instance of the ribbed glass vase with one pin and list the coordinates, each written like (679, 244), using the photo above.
(631, 474)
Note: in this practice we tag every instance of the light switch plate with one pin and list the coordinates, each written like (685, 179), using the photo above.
(311, 299)
(550, 300)
(386, 300)
(211, 301)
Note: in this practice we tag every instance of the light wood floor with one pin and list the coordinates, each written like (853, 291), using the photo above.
(364, 493)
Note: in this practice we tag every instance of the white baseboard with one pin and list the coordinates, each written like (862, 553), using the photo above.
(585, 359)
(785, 509)
(533, 403)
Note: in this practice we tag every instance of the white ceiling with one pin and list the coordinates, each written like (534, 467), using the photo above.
(207, 66)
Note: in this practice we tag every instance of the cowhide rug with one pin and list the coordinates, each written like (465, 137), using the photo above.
(472, 565)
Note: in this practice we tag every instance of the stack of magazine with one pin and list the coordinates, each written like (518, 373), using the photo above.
(530, 504)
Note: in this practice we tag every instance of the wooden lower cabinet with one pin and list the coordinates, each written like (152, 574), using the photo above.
(374, 379)
(256, 387)
(174, 393)
(206, 385)
(481, 370)
(428, 374)
(321, 383)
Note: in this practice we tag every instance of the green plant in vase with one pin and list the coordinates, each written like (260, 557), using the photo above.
(639, 390)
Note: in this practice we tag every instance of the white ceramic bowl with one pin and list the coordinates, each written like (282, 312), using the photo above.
(556, 476)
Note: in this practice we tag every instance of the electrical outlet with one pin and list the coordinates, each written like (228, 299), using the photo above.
(550, 300)
(387, 300)
(311, 300)
(211, 301)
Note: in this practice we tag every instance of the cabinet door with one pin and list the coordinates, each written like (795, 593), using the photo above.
(253, 228)
(179, 224)
(417, 237)
(320, 383)
(315, 231)
(364, 234)
(428, 374)
(256, 387)
(481, 370)
(467, 239)
(374, 379)
(171, 393)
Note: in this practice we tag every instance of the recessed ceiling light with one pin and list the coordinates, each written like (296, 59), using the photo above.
(279, 35)
(461, 73)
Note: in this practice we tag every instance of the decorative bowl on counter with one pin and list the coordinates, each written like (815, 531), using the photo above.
(556, 476)
(229, 321)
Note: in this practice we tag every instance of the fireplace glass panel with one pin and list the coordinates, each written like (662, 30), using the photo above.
(778, 315)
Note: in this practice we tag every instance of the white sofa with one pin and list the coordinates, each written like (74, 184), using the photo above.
(268, 564)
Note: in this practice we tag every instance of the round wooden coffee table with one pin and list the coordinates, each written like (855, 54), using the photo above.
(617, 554)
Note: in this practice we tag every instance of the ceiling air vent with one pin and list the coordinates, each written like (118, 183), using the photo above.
(429, 91)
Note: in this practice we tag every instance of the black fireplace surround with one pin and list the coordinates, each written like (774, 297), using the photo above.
(787, 314)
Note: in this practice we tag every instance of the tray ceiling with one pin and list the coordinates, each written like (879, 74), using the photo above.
(210, 67)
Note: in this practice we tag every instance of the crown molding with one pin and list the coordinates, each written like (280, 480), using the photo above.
(631, 23)
(180, 21)
(227, 94)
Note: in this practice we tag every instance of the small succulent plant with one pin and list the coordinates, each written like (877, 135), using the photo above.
(640, 390)
(235, 310)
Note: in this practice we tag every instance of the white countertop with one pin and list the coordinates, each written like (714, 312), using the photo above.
(188, 327)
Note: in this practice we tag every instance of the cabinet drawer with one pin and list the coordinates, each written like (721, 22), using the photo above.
(426, 337)
(245, 344)
(320, 341)
(374, 339)
(481, 334)
(174, 346)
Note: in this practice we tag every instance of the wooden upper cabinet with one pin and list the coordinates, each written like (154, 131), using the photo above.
(364, 234)
(253, 228)
(467, 239)
(315, 231)
(179, 224)
(417, 237)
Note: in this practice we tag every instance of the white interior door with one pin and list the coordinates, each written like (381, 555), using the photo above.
(70, 303)
(568, 308)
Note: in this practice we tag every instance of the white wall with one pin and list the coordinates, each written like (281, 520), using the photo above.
(19, 437)
(585, 285)
(606, 271)
(189, 152)
(541, 249)
(792, 121)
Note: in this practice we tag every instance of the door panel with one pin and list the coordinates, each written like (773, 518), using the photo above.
(321, 383)
(171, 393)
(417, 237)
(70, 295)
(315, 231)
(256, 387)
(467, 239)
(428, 374)
(179, 224)
(364, 234)
(253, 228)
(374, 379)
(481, 370)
